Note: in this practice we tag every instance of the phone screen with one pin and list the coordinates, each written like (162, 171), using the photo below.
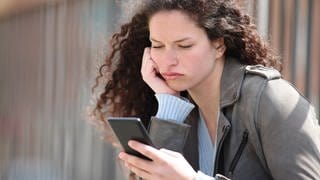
(130, 128)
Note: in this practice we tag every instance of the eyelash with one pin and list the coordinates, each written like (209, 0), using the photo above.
(156, 47)
(184, 47)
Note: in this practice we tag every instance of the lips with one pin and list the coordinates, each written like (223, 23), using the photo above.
(171, 75)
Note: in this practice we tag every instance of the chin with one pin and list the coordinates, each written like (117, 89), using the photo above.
(178, 87)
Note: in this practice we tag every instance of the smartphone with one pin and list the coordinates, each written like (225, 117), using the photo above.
(130, 128)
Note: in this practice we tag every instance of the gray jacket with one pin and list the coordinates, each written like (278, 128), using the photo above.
(266, 129)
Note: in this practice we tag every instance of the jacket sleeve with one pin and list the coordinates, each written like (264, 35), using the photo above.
(167, 129)
(289, 132)
(168, 134)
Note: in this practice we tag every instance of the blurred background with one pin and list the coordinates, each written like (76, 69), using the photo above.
(49, 52)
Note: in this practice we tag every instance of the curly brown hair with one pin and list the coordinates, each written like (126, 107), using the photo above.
(126, 94)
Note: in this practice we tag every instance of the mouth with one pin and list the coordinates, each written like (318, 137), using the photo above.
(171, 75)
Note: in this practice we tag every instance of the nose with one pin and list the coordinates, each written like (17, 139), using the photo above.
(170, 57)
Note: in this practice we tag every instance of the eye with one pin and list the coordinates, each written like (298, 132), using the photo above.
(185, 46)
(156, 47)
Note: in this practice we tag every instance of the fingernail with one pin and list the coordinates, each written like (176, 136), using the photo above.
(131, 143)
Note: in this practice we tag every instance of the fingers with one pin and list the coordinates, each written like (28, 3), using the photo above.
(148, 66)
(165, 164)
(146, 56)
(146, 150)
(141, 167)
(139, 172)
(142, 163)
(135, 164)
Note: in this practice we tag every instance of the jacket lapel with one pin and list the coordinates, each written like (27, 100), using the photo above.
(231, 81)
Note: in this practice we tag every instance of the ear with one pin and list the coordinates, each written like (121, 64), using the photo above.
(220, 47)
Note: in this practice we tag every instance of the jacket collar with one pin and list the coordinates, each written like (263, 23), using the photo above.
(231, 81)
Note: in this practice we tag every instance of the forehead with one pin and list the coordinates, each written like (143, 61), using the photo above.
(173, 22)
(171, 15)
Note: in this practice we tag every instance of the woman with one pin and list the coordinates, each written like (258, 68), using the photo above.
(218, 107)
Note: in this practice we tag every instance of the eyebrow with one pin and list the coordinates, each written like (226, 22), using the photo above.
(179, 40)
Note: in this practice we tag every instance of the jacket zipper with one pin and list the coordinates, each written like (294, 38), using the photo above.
(225, 132)
(239, 152)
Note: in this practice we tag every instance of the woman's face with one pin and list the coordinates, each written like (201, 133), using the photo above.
(184, 55)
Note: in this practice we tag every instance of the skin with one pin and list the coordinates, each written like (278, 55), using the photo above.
(186, 60)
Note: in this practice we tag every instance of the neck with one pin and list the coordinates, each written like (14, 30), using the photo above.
(207, 97)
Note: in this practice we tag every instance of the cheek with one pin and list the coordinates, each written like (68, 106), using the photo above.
(201, 54)
(201, 61)
(156, 56)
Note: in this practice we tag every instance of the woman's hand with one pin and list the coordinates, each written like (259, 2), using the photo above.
(151, 76)
(165, 164)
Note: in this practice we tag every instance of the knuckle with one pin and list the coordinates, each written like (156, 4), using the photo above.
(163, 162)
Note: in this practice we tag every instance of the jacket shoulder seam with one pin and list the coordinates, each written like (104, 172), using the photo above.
(266, 72)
